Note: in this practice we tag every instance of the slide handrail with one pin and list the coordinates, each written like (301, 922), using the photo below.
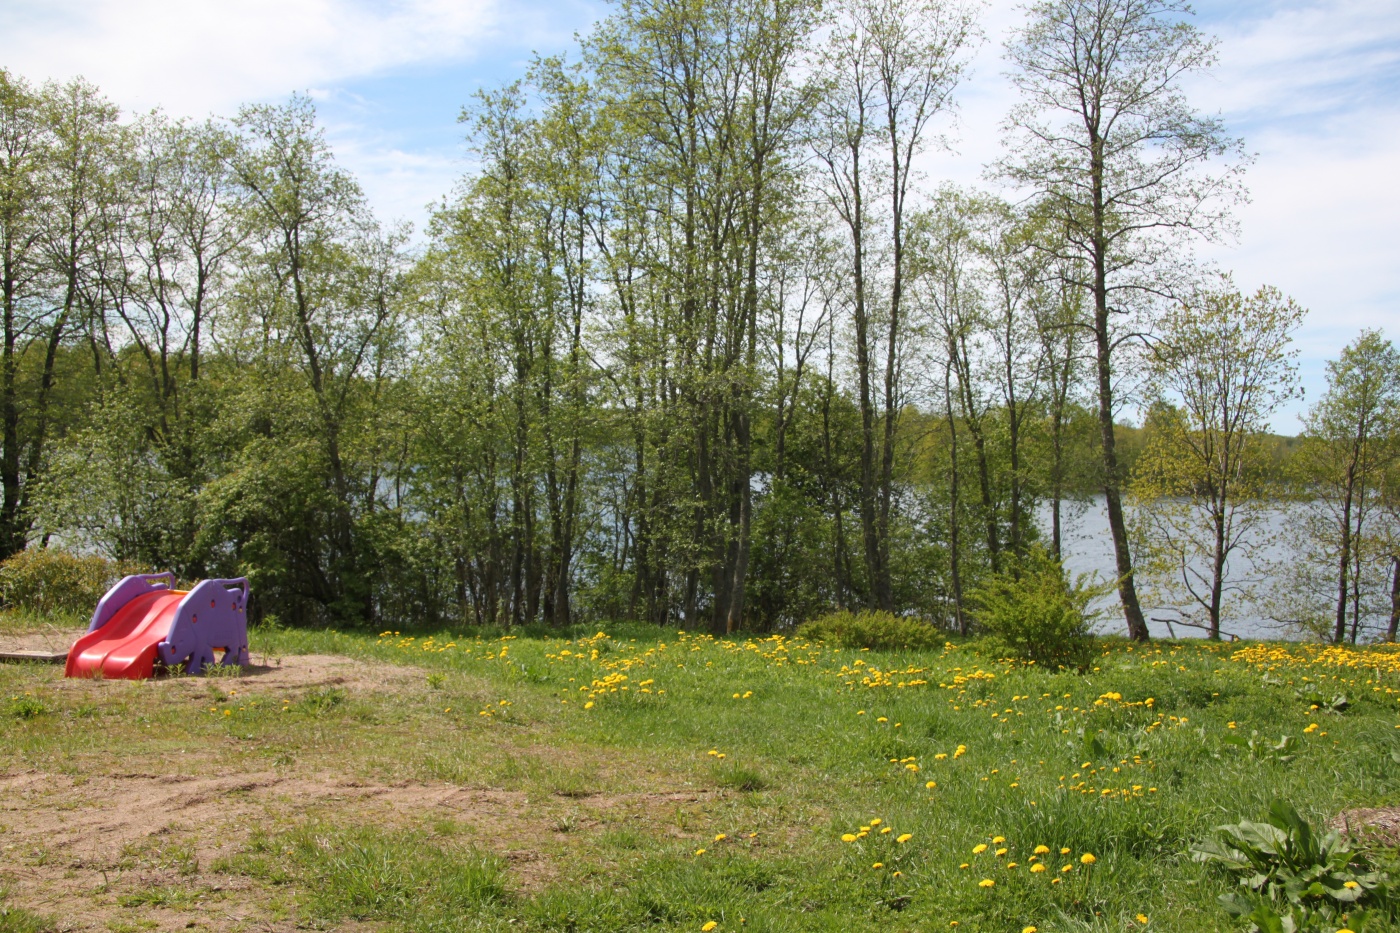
(125, 591)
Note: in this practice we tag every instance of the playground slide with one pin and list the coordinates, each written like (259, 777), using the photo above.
(125, 645)
(143, 619)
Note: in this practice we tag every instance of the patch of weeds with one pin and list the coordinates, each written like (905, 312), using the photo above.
(173, 855)
(739, 777)
(162, 896)
(321, 700)
(436, 680)
(19, 920)
(126, 926)
(365, 874)
(25, 707)
(223, 671)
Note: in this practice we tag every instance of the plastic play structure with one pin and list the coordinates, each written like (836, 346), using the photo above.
(144, 618)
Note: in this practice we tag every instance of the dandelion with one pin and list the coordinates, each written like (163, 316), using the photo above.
(848, 837)
(878, 865)
(721, 837)
(884, 829)
(588, 705)
(898, 874)
(709, 925)
(1001, 852)
(1037, 868)
(876, 822)
(1010, 864)
(882, 719)
(1028, 930)
(964, 865)
(1350, 884)
(1142, 918)
(1067, 868)
(1087, 858)
(904, 837)
(1042, 850)
(931, 785)
(699, 851)
(998, 840)
(1065, 851)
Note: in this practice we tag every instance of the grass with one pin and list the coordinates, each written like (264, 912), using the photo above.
(646, 780)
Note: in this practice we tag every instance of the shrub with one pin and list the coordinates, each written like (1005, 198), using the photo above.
(1035, 612)
(871, 629)
(55, 582)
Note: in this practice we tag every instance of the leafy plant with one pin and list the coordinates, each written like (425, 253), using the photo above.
(1336, 704)
(1294, 879)
(1036, 611)
(871, 629)
(1259, 747)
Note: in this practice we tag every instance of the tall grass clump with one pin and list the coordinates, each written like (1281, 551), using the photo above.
(871, 629)
(1034, 611)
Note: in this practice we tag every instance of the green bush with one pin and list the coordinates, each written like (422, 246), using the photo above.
(871, 629)
(52, 581)
(1035, 612)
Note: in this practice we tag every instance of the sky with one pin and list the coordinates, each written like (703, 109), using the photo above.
(1312, 87)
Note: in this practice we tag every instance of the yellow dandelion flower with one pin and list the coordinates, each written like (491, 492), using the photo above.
(885, 829)
(588, 705)
(721, 837)
(848, 837)
(699, 851)
(1087, 858)
(876, 822)
(904, 837)
(1042, 850)
(1065, 851)
(1350, 884)
(931, 784)
(1067, 868)
(709, 925)
(979, 848)
(1028, 930)
(998, 840)
(964, 865)
(1001, 852)
(878, 865)
(898, 874)
(1142, 918)
(1010, 864)
(1038, 868)
(986, 883)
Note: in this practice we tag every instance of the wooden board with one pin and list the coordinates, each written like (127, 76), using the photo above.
(46, 657)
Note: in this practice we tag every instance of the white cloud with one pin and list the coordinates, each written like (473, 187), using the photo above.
(198, 56)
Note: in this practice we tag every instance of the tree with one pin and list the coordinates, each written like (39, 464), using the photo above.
(890, 67)
(1351, 438)
(1105, 136)
(1222, 365)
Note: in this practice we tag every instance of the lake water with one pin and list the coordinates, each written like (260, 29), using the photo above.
(1088, 548)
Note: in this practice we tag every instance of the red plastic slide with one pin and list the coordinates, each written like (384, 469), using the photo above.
(125, 645)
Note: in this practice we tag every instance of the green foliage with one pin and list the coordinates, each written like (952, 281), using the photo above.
(1283, 751)
(872, 629)
(1283, 864)
(1036, 612)
(54, 581)
(365, 874)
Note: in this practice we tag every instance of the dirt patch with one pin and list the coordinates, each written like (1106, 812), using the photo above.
(48, 638)
(1376, 825)
(94, 851)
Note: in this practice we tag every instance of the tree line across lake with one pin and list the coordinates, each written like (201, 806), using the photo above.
(694, 342)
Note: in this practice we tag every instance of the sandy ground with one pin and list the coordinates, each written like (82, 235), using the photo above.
(79, 848)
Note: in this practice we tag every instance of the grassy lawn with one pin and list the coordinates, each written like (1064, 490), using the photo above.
(666, 781)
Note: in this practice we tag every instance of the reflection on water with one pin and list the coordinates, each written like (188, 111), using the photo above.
(1088, 548)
